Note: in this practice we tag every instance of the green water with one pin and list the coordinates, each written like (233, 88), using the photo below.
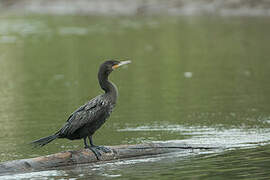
(198, 80)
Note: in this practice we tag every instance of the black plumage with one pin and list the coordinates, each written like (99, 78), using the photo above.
(88, 118)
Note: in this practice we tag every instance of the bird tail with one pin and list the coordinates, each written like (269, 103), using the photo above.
(43, 141)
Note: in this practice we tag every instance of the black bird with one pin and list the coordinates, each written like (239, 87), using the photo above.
(88, 118)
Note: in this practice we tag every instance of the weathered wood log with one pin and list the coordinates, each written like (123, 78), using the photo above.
(87, 156)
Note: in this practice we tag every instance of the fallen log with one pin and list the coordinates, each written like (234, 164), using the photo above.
(83, 156)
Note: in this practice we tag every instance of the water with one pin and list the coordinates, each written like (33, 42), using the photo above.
(198, 80)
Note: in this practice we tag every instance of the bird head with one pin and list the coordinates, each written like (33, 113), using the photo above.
(108, 66)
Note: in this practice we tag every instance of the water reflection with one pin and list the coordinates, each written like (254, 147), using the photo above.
(36, 175)
(22, 27)
(73, 31)
(8, 39)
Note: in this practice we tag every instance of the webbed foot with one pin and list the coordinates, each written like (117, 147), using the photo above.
(94, 150)
(104, 149)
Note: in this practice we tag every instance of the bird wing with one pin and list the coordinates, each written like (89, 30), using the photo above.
(85, 114)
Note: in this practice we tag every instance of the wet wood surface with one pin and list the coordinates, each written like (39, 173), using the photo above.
(84, 156)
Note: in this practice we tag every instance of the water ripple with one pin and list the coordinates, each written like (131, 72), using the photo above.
(230, 138)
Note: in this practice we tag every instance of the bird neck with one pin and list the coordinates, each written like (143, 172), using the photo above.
(109, 88)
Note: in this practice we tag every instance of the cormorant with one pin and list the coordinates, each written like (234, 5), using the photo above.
(88, 118)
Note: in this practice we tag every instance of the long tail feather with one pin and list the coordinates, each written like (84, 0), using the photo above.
(43, 141)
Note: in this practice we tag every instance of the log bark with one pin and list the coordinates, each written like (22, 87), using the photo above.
(83, 156)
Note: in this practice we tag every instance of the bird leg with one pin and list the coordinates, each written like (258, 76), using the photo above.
(93, 149)
(102, 148)
(85, 143)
